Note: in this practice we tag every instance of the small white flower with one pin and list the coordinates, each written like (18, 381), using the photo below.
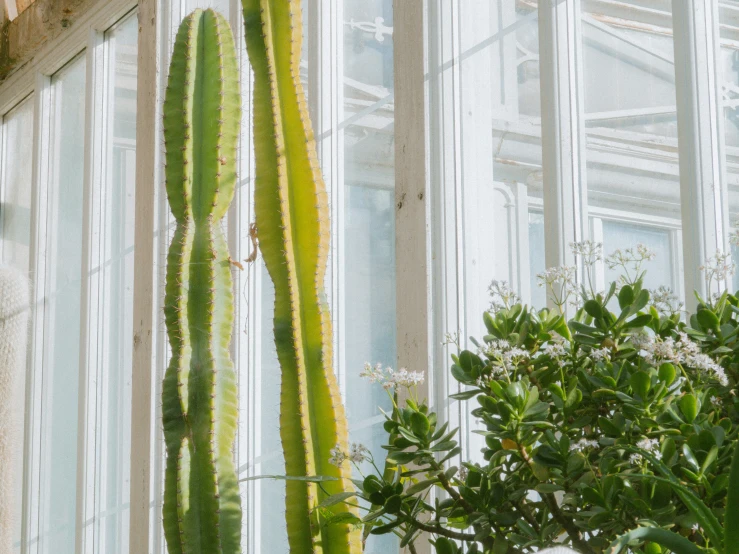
(588, 250)
(718, 267)
(451, 338)
(715, 400)
(338, 457)
(600, 354)
(462, 474)
(562, 275)
(358, 453)
(695, 527)
(405, 378)
(665, 301)
(375, 374)
(502, 296)
(583, 444)
(704, 363)
(650, 445)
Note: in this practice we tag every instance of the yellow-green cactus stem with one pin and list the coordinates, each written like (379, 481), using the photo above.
(292, 219)
(202, 113)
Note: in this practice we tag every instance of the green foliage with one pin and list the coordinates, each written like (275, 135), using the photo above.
(202, 111)
(292, 220)
(721, 540)
(623, 416)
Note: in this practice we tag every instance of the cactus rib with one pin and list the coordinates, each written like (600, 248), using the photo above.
(292, 218)
(202, 111)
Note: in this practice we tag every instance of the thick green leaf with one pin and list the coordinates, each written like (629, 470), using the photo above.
(708, 319)
(731, 518)
(674, 542)
(593, 308)
(689, 407)
(335, 499)
(420, 424)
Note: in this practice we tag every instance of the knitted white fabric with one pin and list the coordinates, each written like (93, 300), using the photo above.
(14, 307)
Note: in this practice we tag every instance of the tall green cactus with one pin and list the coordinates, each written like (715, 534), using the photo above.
(202, 112)
(293, 226)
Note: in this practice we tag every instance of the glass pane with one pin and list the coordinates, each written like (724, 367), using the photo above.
(111, 317)
(59, 419)
(620, 235)
(486, 178)
(15, 240)
(631, 125)
(367, 237)
(221, 6)
(15, 210)
(729, 63)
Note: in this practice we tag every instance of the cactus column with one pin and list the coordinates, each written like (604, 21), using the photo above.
(202, 507)
(293, 225)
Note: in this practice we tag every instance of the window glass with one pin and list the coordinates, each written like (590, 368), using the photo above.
(729, 65)
(221, 6)
(366, 239)
(486, 170)
(61, 339)
(15, 230)
(631, 126)
(111, 303)
(15, 210)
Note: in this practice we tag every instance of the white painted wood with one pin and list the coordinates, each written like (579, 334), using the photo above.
(10, 9)
(146, 300)
(703, 187)
(562, 128)
(31, 437)
(94, 144)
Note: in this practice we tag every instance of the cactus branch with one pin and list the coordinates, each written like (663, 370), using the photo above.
(292, 216)
(202, 111)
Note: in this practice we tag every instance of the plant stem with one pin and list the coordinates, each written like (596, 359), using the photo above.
(551, 502)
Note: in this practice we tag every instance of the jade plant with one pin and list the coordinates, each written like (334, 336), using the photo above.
(202, 506)
(292, 221)
(579, 422)
(717, 538)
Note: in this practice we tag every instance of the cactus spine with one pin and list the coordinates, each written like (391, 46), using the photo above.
(202, 112)
(293, 224)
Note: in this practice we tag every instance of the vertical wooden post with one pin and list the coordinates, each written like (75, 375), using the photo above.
(145, 305)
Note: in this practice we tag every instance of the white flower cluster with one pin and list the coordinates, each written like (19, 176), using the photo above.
(622, 258)
(562, 283)
(502, 296)
(389, 378)
(556, 350)
(665, 301)
(563, 276)
(656, 350)
(650, 445)
(600, 354)
(588, 251)
(504, 356)
(734, 238)
(583, 444)
(718, 268)
(357, 454)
